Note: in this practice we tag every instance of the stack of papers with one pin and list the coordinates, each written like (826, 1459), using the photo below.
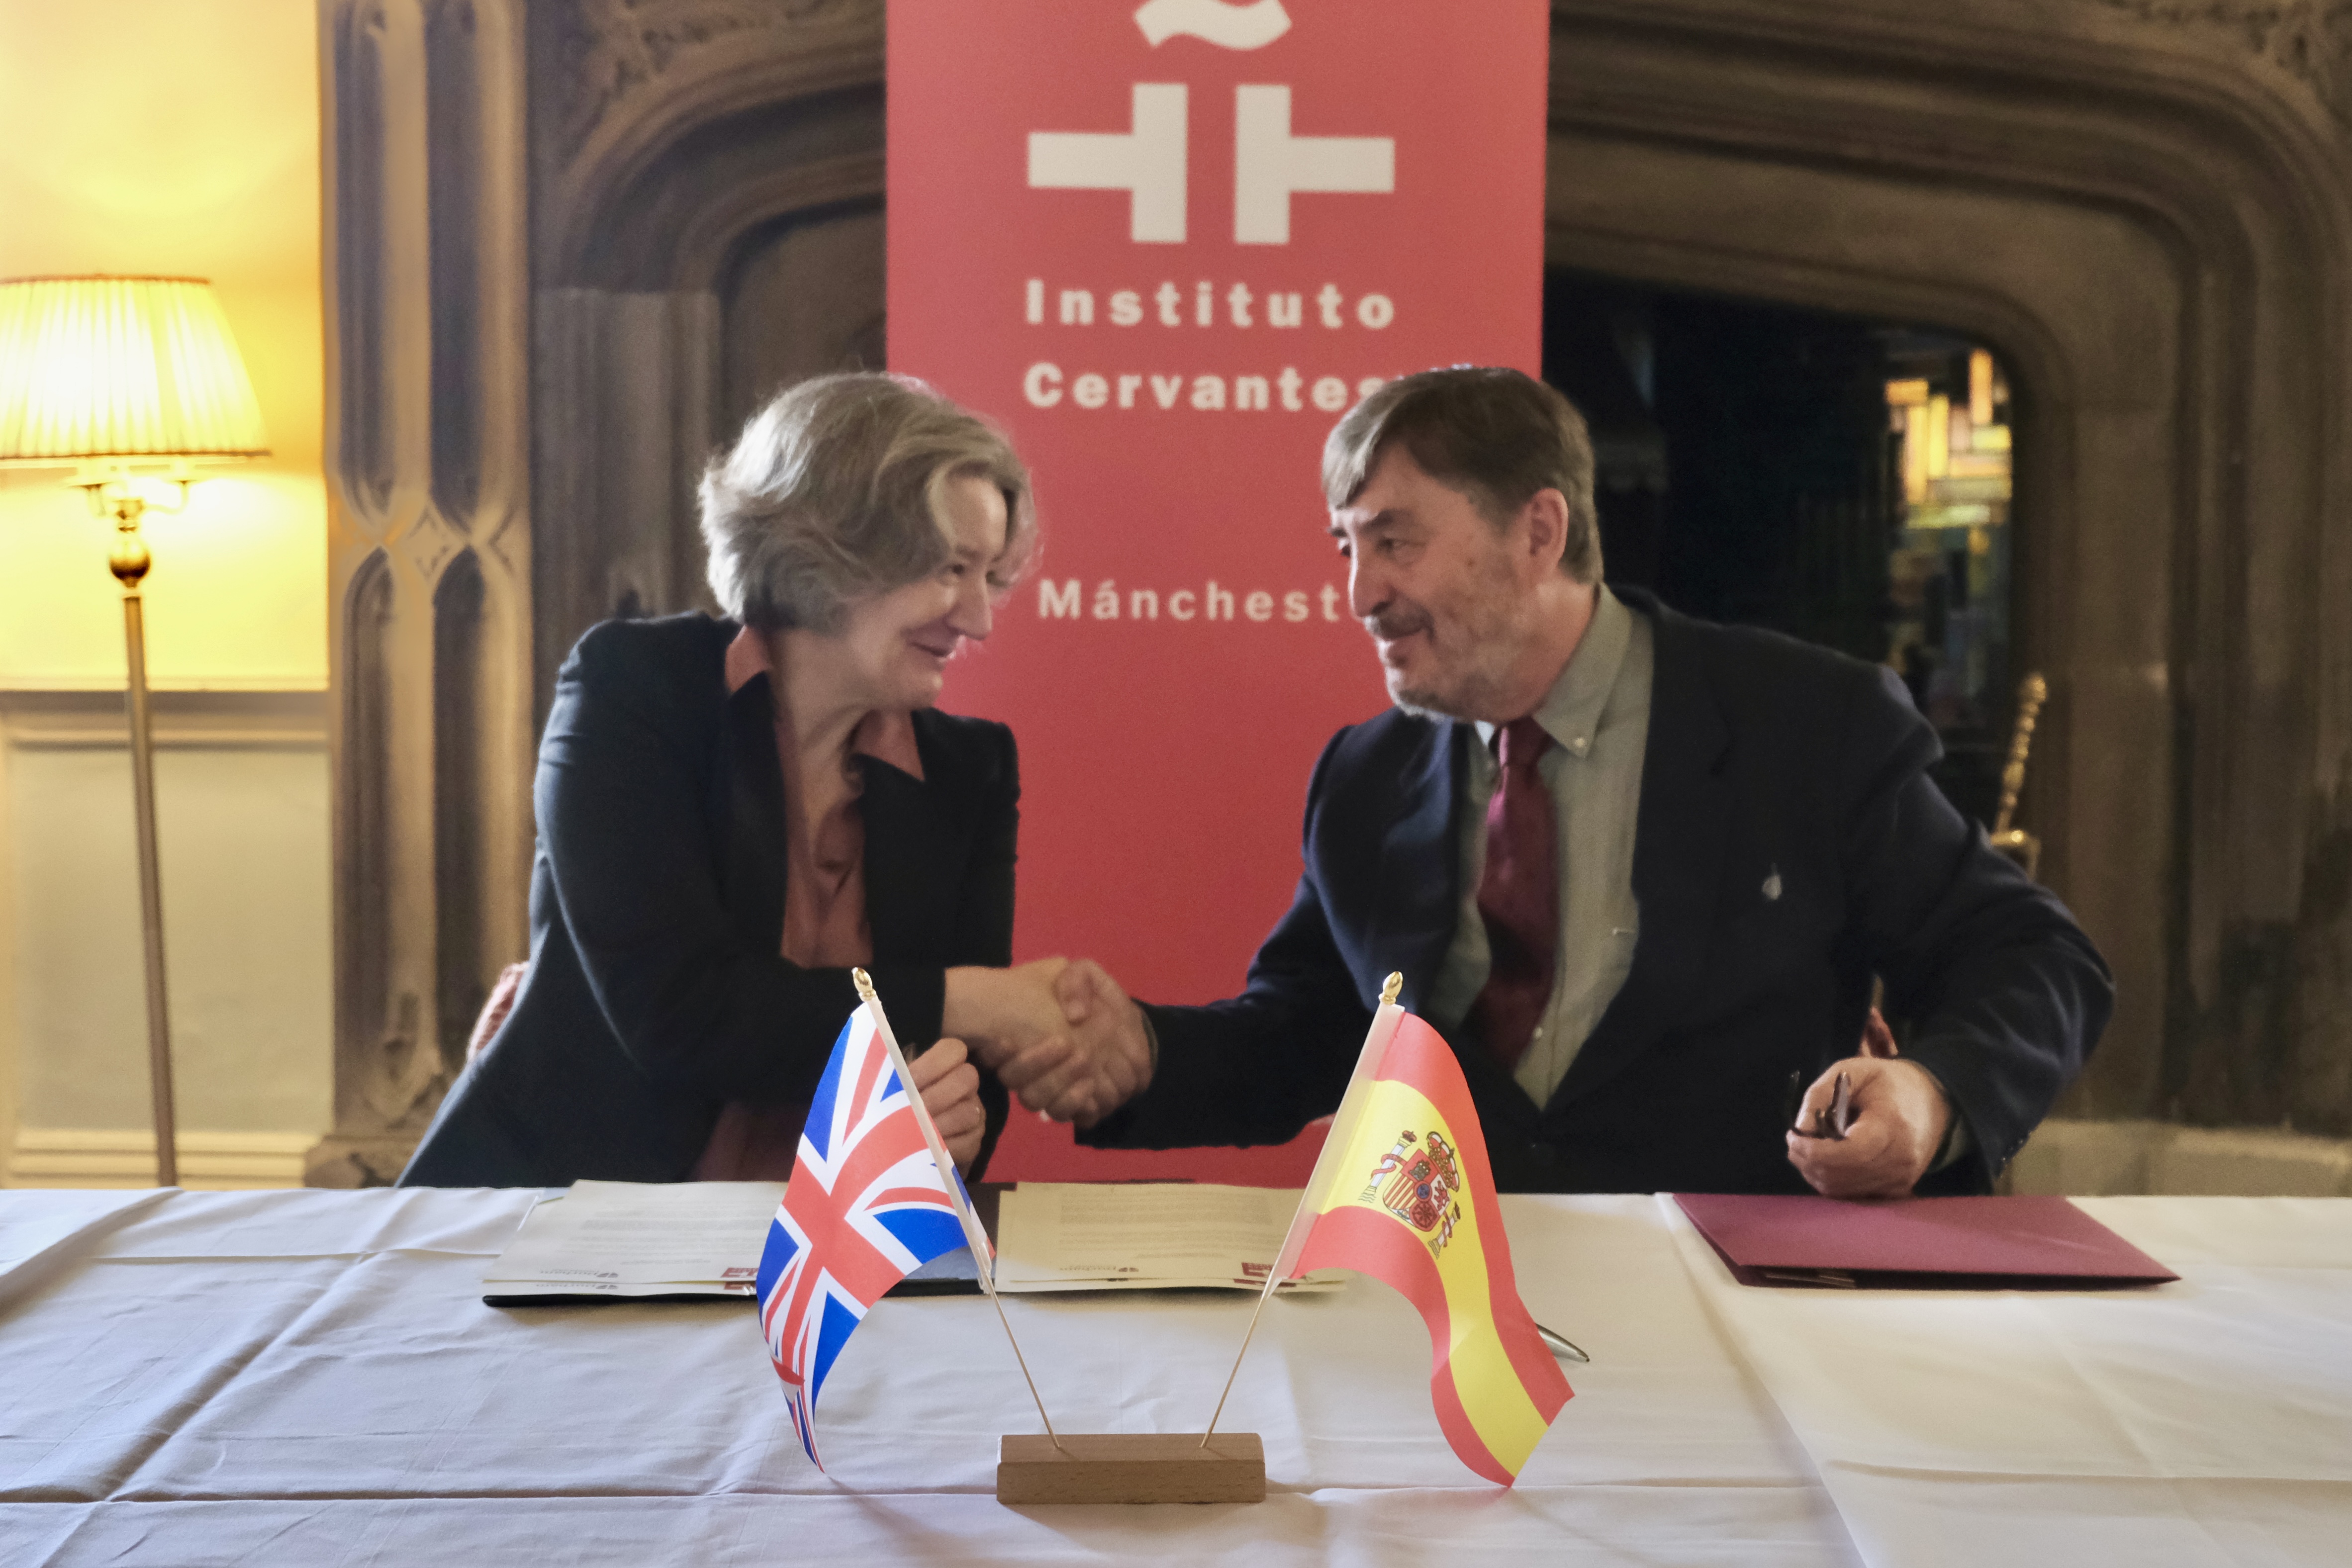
(1052, 1236)
(627, 1239)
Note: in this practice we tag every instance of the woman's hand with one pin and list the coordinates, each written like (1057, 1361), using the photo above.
(1005, 1012)
(950, 1085)
(1063, 1036)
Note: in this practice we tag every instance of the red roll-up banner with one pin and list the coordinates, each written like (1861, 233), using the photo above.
(1166, 246)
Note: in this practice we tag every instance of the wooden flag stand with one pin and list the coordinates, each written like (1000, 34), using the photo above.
(1177, 1466)
(1103, 1467)
(1131, 1467)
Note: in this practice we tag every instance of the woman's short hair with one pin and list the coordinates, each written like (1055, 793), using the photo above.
(836, 491)
(1499, 435)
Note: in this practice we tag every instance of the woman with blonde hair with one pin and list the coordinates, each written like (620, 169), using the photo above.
(733, 812)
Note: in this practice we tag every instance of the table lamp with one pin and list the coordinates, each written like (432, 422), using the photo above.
(130, 381)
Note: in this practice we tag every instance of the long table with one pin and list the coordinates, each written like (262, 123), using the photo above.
(312, 1378)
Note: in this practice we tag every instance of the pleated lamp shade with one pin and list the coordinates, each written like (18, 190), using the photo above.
(130, 370)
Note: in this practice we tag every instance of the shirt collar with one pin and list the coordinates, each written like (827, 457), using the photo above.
(746, 656)
(1570, 712)
(885, 737)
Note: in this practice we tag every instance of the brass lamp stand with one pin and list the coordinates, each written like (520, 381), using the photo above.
(130, 561)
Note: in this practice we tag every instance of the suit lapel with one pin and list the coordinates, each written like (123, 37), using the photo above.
(751, 869)
(1413, 914)
(913, 849)
(1679, 836)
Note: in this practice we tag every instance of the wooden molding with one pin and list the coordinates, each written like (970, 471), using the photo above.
(125, 1157)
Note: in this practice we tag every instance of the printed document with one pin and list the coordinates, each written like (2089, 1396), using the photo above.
(633, 1238)
(1147, 1236)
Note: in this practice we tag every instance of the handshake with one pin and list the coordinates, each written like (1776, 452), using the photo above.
(1059, 1034)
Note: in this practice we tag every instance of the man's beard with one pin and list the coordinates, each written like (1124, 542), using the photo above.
(1490, 619)
(1422, 702)
(1417, 704)
(1397, 623)
(1472, 695)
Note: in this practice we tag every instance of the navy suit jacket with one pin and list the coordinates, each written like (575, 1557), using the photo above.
(656, 992)
(1790, 845)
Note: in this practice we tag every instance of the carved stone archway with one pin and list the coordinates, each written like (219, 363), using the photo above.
(2146, 207)
(674, 150)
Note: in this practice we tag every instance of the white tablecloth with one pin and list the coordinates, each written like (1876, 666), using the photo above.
(312, 1378)
(2204, 1422)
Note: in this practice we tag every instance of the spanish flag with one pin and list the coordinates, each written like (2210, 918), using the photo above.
(1402, 1192)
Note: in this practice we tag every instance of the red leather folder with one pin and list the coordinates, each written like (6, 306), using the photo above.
(1917, 1243)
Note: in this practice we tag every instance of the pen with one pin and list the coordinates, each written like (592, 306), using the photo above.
(1830, 1121)
(1561, 1345)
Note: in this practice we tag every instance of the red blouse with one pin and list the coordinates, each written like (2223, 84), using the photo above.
(825, 905)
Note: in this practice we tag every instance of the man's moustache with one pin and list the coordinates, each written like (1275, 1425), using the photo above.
(1388, 629)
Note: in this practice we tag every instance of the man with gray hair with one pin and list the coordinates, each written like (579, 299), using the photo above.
(1640, 870)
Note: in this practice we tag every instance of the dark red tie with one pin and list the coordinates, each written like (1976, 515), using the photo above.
(1518, 897)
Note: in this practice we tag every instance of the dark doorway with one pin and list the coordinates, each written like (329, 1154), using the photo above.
(1841, 480)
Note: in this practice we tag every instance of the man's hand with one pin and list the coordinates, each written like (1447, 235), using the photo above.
(1105, 1061)
(949, 1086)
(1900, 1116)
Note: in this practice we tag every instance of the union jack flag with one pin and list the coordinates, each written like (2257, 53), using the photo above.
(865, 1208)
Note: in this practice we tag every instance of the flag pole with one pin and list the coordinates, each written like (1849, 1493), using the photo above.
(1270, 1281)
(1310, 1200)
(975, 1237)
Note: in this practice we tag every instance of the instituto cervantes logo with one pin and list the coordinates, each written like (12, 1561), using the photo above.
(1420, 1181)
(1229, 26)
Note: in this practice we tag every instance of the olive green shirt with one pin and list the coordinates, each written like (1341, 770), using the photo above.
(1598, 715)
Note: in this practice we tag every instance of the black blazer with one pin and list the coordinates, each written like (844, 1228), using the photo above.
(656, 992)
(1768, 762)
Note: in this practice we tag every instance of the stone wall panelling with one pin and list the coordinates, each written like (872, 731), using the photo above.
(429, 546)
(627, 388)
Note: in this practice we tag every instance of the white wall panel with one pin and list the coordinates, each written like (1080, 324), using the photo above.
(243, 819)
